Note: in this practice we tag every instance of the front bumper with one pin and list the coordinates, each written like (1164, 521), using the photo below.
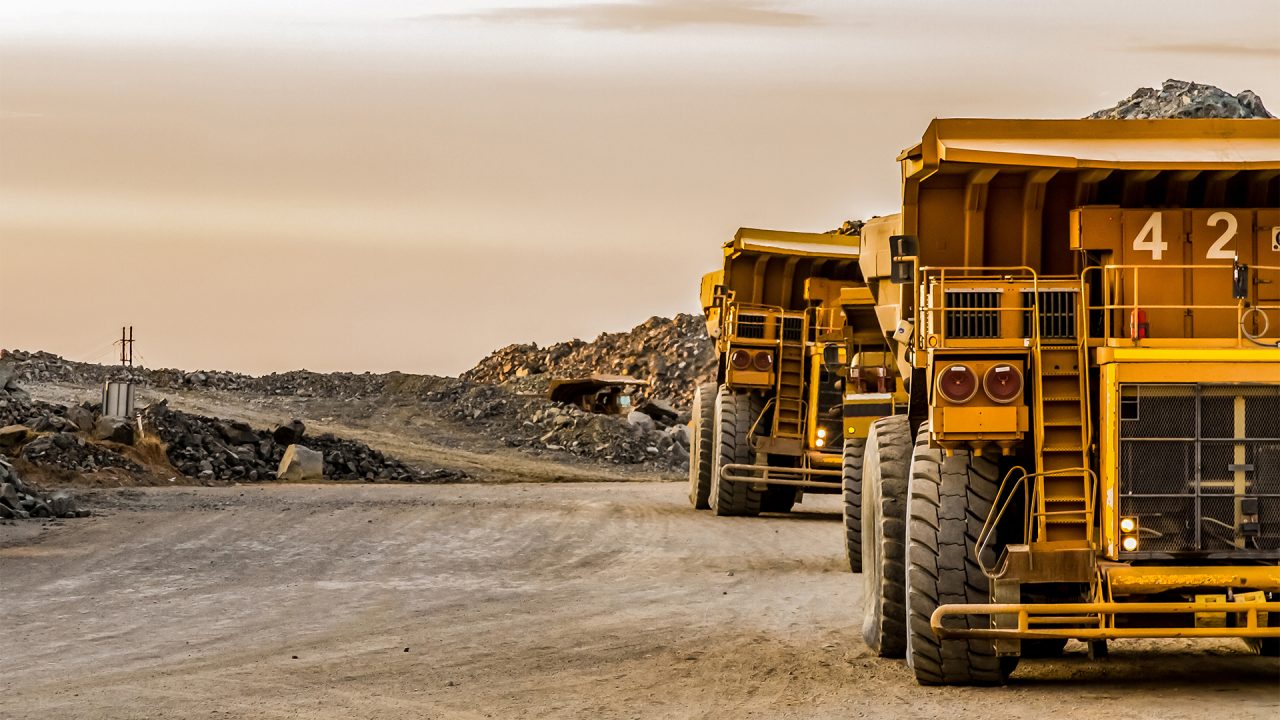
(1097, 621)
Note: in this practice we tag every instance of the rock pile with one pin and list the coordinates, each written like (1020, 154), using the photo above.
(19, 501)
(673, 354)
(46, 367)
(1183, 99)
(210, 449)
(534, 423)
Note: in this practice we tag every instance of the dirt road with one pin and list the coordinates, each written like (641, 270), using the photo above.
(480, 601)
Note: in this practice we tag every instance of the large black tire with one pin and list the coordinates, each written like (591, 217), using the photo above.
(701, 445)
(950, 499)
(851, 485)
(735, 412)
(884, 491)
(778, 499)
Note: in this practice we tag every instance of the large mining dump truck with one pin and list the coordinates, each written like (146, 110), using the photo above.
(1085, 316)
(772, 425)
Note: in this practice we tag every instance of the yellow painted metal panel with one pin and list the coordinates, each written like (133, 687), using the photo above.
(783, 242)
(1151, 580)
(1118, 144)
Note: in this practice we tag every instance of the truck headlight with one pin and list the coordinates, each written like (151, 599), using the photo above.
(1002, 383)
(1129, 543)
(958, 383)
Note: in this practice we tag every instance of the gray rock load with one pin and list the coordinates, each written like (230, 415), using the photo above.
(1183, 99)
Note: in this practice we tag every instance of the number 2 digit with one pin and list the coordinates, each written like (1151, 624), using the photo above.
(1216, 251)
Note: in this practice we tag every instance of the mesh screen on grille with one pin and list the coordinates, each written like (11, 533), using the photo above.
(1194, 459)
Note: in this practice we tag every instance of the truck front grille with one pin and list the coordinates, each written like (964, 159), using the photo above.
(792, 329)
(973, 314)
(1200, 468)
(1057, 313)
(750, 327)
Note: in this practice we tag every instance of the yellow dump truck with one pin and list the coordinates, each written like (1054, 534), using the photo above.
(1085, 319)
(772, 425)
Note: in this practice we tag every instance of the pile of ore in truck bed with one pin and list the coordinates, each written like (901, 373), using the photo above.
(1183, 99)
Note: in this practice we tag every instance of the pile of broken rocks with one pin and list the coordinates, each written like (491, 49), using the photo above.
(210, 449)
(673, 354)
(19, 501)
(653, 434)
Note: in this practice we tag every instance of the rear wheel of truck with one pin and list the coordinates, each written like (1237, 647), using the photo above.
(701, 445)
(734, 415)
(948, 502)
(851, 485)
(884, 489)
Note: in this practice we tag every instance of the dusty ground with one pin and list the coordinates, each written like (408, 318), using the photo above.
(587, 600)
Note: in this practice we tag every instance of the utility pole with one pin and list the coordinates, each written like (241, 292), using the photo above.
(126, 347)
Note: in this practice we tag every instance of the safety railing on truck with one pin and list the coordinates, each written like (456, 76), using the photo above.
(968, 307)
(753, 322)
(773, 323)
(1131, 306)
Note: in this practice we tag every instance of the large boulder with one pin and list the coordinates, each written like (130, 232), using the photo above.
(82, 417)
(640, 420)
(237, 433)
(114, 429)
(301, 464)
(289, 433)
(12, 436)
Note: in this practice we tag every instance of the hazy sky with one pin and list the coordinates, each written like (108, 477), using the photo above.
(393, 184)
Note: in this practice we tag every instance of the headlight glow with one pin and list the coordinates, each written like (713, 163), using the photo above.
(1128, 525)
(1130, 543)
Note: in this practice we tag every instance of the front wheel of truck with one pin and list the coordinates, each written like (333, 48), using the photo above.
(701, 445)
(948, 502)
(851, 487)
(884, 489)
(735, 413)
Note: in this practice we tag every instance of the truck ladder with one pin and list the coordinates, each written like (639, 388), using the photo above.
(788, 414)
(1063, 506)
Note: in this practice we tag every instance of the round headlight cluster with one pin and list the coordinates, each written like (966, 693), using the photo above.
(742, 359)
(1002, 383)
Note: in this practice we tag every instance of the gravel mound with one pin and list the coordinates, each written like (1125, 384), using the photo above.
(673, 354)
(211, 448)
(1184, 99)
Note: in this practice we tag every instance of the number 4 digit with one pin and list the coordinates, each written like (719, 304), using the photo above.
(1216, 251)
(1149, 237)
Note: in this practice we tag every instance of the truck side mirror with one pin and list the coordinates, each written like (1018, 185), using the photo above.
(901, 271)
(1240, 282)
(900, 245)
(901, 249)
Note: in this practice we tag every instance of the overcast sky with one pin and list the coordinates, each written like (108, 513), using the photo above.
(264, 185)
